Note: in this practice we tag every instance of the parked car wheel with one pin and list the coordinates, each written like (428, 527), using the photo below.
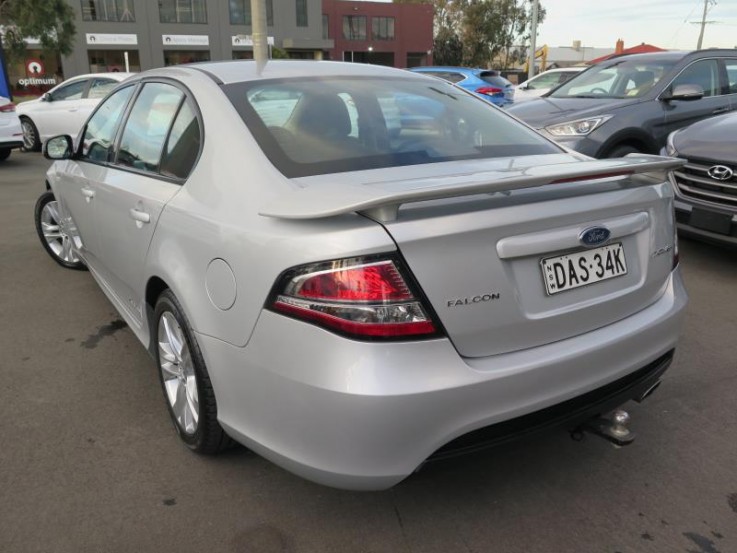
(185, 380)
(621, 151)
(4, 154)
(31, 140)
(53, 233)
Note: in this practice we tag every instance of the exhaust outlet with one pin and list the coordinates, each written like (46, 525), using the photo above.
(647, 393)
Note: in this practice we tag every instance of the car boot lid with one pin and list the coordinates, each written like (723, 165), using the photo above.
(381, 200)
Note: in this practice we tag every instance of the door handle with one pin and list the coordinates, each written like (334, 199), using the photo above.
(724, 109)
(73, 109)
(140, 216)
(88, 194)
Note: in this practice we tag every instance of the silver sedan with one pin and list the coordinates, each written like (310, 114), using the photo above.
(353, 270)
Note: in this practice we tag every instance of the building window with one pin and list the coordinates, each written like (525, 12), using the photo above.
(325, 27)
(354, 27)
(301, 13)
(240, 12)
(182, 11)
(382, 28)
(108, 10)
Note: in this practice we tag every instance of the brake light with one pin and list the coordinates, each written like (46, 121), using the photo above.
(360, 297)
(490, 91)
(7, 108)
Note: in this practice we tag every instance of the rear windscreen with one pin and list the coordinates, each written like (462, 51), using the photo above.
(331, 125)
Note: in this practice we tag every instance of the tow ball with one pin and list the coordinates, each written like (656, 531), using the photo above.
(614, 428)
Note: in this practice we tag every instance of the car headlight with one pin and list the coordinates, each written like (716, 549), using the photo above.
(580, 127)
(670, 148)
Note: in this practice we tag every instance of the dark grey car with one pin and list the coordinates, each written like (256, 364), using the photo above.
(706, 187)
(632, 103)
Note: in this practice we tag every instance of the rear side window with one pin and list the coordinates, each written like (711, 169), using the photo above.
(183, 144)
(449, 76)
(147, 127)
(100, 88)
(331, 125)
(99, 134)
(731, 66)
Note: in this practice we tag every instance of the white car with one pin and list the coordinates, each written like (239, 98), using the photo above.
(542, 83)
(65, 108)
(11, 135)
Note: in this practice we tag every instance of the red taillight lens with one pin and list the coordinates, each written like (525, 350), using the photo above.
(358, 297)
(7, 108)
(490, 91)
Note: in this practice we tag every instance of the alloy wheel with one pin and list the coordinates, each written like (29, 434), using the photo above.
(178, 373)
(56, 233)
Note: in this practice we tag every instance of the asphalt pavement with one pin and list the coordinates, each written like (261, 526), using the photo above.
(89, 461)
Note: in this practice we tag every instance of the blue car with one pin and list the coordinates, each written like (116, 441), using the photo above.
(485, 83)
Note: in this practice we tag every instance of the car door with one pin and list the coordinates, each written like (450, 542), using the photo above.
(681, 113)
(139, 185)
(58, 114)
(77, 187)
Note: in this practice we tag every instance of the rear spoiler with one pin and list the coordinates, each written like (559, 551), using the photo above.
(381, 200)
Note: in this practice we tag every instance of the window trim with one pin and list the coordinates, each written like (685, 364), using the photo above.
(111, 163)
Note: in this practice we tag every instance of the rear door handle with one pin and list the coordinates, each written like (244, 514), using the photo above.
(724, 109)
(140, 216)
(88, 194)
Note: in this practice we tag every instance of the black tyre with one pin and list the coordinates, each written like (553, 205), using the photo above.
(4, 153)
(621, 151)
(184, 379)
(53, 231)
(31, 140)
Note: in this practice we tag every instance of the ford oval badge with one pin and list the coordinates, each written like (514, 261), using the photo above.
(594, 236)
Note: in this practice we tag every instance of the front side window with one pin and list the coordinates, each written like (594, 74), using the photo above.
(108, 10)
(622, 79)
(147, 127)
(354, 27)
(382, 28)
(704, 73)
(331, 125)
(99, 134)
(71, 91)
(301, 6)
(182, 11)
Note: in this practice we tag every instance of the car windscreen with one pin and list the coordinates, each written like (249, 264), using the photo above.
(630, 78)
(330, 125)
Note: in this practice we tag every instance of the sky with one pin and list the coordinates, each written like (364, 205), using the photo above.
(664, 23)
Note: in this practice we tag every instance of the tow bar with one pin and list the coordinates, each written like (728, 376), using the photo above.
(613, 428)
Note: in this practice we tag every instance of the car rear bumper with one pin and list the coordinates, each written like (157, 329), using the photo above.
(362, 415)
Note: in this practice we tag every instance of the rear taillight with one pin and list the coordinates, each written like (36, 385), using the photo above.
(490, 91)
(7, 108)
(361, 297)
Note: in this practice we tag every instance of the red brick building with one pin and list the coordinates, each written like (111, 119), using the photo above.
(397, 35)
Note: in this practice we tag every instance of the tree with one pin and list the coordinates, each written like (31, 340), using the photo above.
(447, 48)
(487, 30)
(50, 21)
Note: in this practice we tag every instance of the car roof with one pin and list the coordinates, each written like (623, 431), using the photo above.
(671, 55)
(225, 72)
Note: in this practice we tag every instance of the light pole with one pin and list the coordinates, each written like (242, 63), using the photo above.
(533, 40)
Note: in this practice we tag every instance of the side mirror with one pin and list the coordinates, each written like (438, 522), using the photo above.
(58, 147)
(46, 97)
(685, 92)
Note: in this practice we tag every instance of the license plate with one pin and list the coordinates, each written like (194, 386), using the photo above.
(574, 270)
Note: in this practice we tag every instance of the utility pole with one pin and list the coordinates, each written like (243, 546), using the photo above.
(259, 32)
(704, 22)
(533, 40)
